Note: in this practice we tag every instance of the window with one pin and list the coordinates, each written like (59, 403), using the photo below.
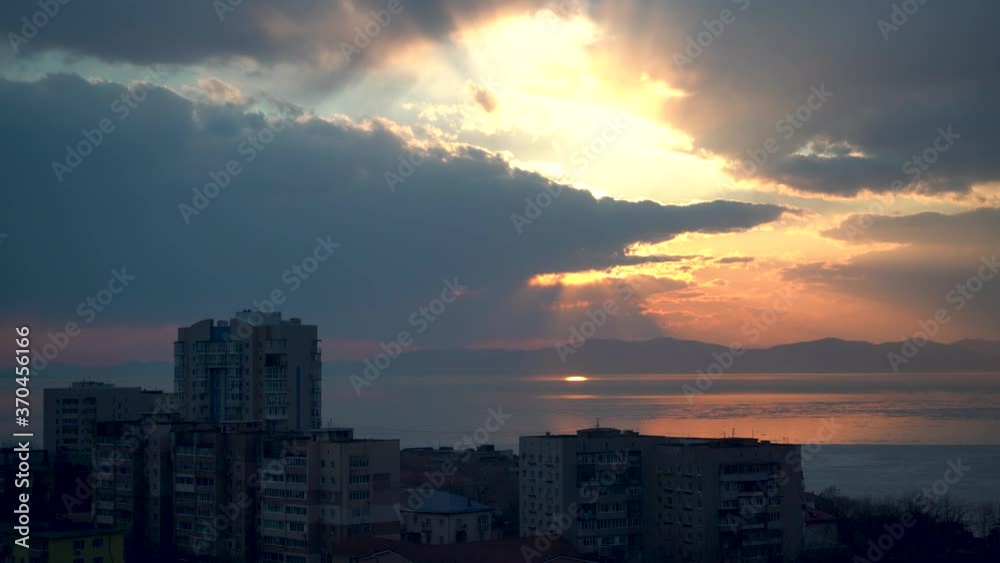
(79, 544)
(296, 527)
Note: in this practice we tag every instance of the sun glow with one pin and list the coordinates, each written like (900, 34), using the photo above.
(575, 378)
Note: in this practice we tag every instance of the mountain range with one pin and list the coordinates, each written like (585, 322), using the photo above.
(669, 355)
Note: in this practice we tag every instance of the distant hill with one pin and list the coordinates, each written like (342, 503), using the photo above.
(669, 355)
(660, 355)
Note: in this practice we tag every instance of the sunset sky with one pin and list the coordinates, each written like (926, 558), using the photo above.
(876, 191)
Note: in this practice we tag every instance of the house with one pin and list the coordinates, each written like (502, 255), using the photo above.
(444, 518)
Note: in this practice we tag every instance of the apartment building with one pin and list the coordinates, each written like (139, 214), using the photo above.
(323, 487)
(213, 472)
(72, 413)
(622, 496)
(131, 476)
(446, 518)
(255, 366)
(729, 500)
(590, 488)
(306, 490)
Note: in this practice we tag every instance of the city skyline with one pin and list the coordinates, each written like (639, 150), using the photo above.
(553, 281)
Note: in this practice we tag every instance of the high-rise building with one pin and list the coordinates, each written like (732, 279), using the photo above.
(624, 496)
(590, 488)
(133, 483)
(255, 366)
(72, 414)
(244, 492)
(730, 499)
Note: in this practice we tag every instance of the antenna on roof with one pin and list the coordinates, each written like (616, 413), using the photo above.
(598, 423)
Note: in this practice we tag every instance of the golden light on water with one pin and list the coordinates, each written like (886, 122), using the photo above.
(576, 378)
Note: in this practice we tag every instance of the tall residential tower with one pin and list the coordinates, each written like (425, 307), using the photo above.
(254, 366)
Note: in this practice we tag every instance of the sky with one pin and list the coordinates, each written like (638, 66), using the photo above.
(353, 162)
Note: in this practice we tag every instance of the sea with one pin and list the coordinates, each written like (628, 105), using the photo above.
(865, 434)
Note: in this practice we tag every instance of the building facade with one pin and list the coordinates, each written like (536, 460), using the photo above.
(255, 366)
(622, 496)
(72, 413)
(132, 479)
(590, 488)
(729, 500)
(446, 518)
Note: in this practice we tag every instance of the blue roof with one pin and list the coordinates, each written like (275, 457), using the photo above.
(443, 502)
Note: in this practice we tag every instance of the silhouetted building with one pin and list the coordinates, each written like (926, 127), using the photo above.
(72, 413)
(255, 366)
(445, 518)
(623, 496)
(132, 483)
(730, 499)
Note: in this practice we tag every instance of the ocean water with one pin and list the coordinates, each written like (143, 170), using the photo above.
(886, 434)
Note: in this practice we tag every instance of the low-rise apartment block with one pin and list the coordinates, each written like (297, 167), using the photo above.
(72, 413)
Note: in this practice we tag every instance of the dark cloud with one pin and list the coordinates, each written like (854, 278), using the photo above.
(940, 254)
(449, 217)
(193, 31)
(890, 98)
(736, 260)
(977, 228)
(938, 70)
